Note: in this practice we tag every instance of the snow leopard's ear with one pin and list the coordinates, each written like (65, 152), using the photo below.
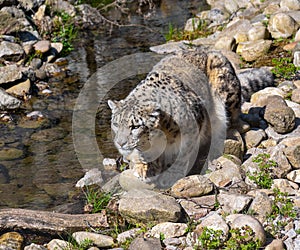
(114, 105)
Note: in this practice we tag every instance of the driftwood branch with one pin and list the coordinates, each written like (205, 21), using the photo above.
(49, 222)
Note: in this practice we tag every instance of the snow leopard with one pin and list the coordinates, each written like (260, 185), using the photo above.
(175, 120)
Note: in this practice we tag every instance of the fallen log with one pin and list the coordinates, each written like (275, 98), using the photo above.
(49, 222)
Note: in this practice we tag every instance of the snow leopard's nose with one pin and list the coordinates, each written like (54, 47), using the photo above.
(121, 142)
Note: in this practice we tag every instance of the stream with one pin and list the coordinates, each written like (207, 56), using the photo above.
(44, 175)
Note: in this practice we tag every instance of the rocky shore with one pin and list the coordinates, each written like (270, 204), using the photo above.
(250, 196)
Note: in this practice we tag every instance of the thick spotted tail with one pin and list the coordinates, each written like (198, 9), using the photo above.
(253, 80)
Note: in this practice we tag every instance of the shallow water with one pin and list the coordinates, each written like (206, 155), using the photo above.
(44, 174)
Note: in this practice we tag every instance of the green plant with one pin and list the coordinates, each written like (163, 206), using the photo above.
(95, 3)
(263, 177)
(282, 205)
(97, 199)
(199, 30)
(284, 67)
(282, 212)
(64, 31)
(242, 239)
(210, 239)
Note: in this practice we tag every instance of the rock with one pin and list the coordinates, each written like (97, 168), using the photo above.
(129, 234)
(213, 221)
(290, 4)
(62, 6)
(226, 43)
(296, 59)
(286, 186)
(192, 24)
(11, 241)
(260, 98)
(8, 102)
(231, 6)
(145, 244)
(192, 186)
(169, 230)
(11, 51)
(257, 32)
(93, 176)
(10, 73)
(9, 23)
(276, 244)
(7, 154)
(4, 3)
(42, 46)
(279, 115)
(198, 207)
(254, 224)
(254, 137)
(36, 63)
(294, 176)
(296, 95)
(40, 14)
(34, 246)
(169, 47)
(129, 181)
(281, 25)
(148, 206)
(261, 205)
(98, 239)
(241, 26)
(293, 155)
(57, 47)
(56, 244)
(278, 156)
(20, 89)
(229, 172)
(48, 135)
(252, 50)
(232, 203)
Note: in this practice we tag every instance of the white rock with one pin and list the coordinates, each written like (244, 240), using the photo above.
(97, 239)
(169, 230)
(57, 244)
(294, 176)
(93, 176)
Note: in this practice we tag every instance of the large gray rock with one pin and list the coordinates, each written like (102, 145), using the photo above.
(10, 73)
(260, 98)
(98, 239)
(257, 32)
(246, 220)
(145, 244)
(279, 115)
(169, 230)
(229, 172)
(282, 25)
(293, 155)
(214, 221)
(252, 50)
(232, 203)
(261, 205)
(192, 186)
(11, 51)
(290, 4)
(148, 206)
(198, 207)
(8, 102)
(254, 137)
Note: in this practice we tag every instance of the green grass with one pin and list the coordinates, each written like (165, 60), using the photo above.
(284, 67)
(97, 199)
(64, 31)
(263, 177)
(200, 30)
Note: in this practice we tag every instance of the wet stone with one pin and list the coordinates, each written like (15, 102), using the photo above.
(20, 89)
(11, 240)
(10, 73)
(7, 154)
(8, 102)
(11, 51)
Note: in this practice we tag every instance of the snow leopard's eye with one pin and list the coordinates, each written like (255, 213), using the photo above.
(132, 127)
